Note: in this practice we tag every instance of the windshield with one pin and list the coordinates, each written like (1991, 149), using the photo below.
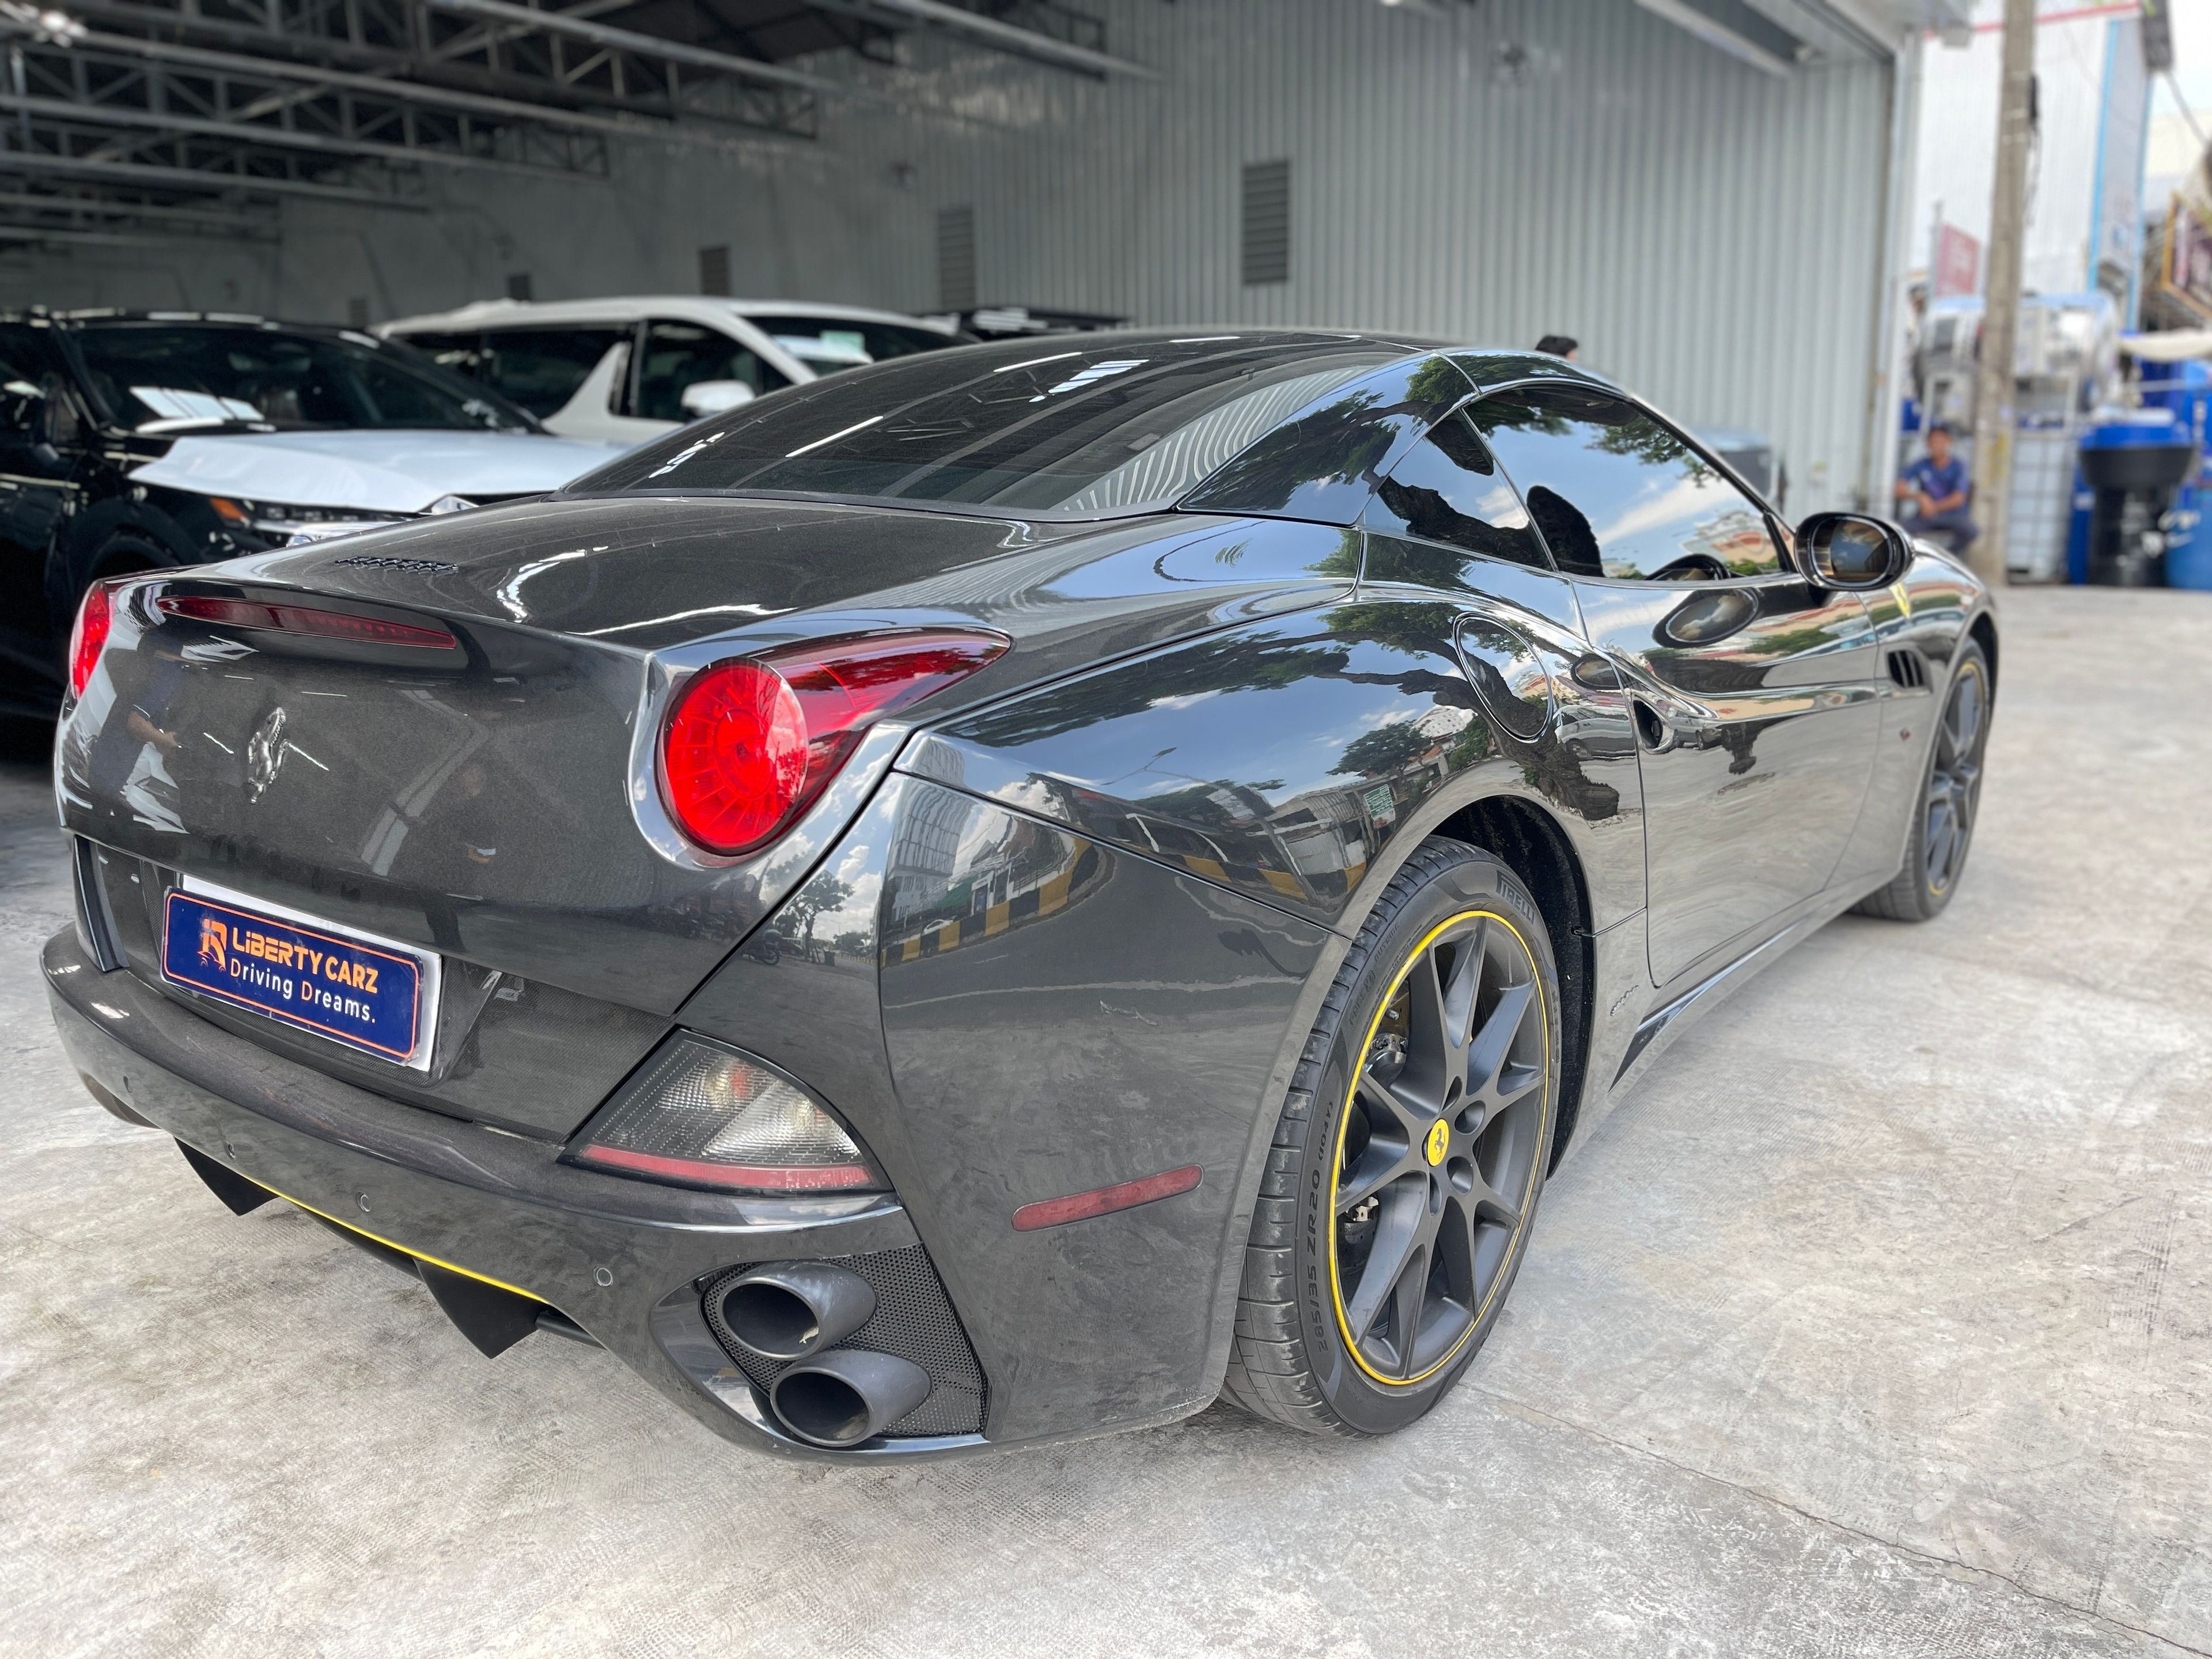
(186, 377)
(827, 344)
(1129, 424)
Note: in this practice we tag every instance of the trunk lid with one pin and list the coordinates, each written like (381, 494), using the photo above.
(643, 571)
(486, 803)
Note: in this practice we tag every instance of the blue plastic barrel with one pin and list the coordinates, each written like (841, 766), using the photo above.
(2077, 529)
(2189, 543)
(2185, 390)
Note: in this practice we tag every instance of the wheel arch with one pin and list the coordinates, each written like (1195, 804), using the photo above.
(1535, 845)
(1983, 631)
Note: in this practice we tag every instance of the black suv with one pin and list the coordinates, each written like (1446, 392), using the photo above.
(135, 442)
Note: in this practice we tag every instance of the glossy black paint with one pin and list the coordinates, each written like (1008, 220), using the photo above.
(1758, 741)
(1282, 758)
(502, 1206)
(1149, 1004)
(1067, 928)
(489, 807)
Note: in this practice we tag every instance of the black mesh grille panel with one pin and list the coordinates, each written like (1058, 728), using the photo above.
(913, 1320)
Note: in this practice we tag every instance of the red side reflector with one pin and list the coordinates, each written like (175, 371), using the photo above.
(754, 1178)
(303, 619)
(1104, 1200)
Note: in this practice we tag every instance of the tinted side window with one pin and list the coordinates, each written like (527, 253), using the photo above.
(541, 368)
(1616, 492)
(458, 354)
(1448, 488)
(394, 395)
(827, 344)
(680, 354)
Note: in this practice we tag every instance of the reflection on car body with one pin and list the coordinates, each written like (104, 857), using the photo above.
(1001, 894)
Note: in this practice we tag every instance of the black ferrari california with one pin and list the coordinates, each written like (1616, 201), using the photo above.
(1005, 895)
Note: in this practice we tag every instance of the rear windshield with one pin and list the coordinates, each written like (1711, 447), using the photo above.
(1123, 426)
(188, 377)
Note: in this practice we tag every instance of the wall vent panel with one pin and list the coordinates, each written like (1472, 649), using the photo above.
(956, 258)
(1266, 224)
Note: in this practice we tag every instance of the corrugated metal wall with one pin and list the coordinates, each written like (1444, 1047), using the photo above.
(1491, 173)
(1710, 233)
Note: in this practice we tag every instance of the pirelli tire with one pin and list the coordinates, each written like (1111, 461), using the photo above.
(1351, 1169)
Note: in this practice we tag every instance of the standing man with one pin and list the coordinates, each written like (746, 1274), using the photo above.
(1559, 345)
(1937, 485)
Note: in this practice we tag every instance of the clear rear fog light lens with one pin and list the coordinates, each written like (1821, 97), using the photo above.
(710, 1117)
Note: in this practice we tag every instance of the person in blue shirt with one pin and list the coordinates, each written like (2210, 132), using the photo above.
(1937, 486)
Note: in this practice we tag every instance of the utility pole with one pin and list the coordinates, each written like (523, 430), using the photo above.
(1993, 414)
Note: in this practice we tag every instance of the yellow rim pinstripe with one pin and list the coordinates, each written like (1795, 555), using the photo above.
(1344, 1124)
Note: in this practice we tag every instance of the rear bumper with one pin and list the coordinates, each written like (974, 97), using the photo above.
(621, 1259)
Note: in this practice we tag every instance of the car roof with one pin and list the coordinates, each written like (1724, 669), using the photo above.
(229, 318)
(633, 307)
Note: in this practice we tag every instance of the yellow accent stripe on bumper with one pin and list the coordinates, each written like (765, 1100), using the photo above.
(394, 1244)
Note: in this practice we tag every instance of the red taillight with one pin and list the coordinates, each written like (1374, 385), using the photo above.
(751, 743)
(88, 637)
(304, 619)
(735, 756)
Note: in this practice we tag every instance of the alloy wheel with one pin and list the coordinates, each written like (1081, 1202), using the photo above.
(1955, 778)
(1436, 1153)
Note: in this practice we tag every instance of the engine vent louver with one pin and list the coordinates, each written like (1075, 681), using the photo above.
(1908, 669)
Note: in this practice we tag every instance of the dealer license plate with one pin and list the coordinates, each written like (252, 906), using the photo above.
(376, 997)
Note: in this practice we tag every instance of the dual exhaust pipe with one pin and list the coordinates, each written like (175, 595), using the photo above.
(794, 1314)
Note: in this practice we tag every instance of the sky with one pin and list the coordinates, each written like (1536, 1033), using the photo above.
(2192, 63)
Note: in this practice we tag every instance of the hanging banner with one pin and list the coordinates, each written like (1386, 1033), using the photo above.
(1957, 268)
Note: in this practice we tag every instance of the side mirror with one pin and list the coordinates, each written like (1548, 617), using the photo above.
(1852, 551)
(703, 397)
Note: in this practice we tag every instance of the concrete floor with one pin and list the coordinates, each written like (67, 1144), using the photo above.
(1877, 1323)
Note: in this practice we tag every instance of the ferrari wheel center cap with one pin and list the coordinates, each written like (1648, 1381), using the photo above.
(1439, 1139)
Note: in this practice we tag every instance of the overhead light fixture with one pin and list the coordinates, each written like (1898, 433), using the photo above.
(1718, 36)
(47, 25)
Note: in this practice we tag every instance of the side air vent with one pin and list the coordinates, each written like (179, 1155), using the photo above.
(913, 1320)
(1908, 668)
